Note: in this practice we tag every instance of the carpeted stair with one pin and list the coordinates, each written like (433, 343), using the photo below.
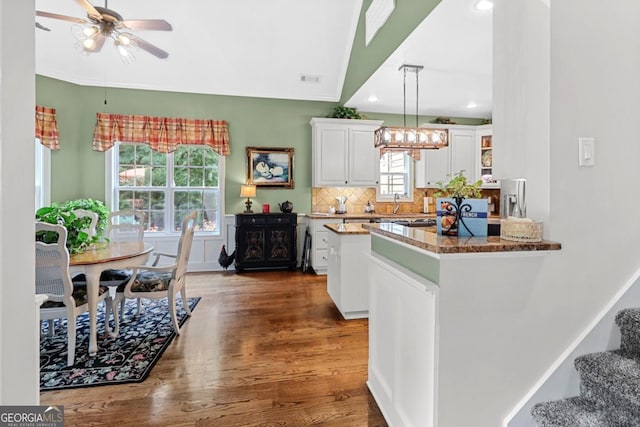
(609, 385)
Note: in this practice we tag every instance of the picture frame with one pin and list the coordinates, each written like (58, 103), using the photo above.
(270, 167)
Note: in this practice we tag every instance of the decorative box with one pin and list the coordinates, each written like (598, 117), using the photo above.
(463, 218)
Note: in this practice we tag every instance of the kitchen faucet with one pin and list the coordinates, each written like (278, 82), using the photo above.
(396, 205)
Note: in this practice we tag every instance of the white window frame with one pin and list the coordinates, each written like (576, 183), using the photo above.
(111, 196)
(43, 175)
(406, 197)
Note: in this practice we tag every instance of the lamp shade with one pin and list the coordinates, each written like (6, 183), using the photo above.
(248, 190)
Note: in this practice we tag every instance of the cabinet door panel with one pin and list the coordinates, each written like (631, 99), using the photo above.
(463, 155)
(364, 159)
(250, 243)
(331, 156)
(279, 244)
(436, 163)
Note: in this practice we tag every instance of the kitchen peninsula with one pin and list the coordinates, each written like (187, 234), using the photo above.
(440, 307)
(319, 254)
(348, 287)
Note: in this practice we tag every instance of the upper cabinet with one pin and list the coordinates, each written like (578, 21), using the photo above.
(463, 154)
(343, 153)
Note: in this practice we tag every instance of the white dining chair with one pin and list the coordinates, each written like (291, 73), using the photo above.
(64, 300)
(156, 282)
(91, 229)
(123, 226)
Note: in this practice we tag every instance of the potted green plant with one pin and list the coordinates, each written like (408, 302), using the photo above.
(460, 211)
(457, 186)
(78, 240)
(342, 112)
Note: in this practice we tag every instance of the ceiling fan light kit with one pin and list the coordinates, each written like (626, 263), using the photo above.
(103, 22)
(413, 138)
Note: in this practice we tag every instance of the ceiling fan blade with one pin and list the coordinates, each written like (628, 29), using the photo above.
(145, 45)
(62, 17)
(42, 27)
(147, 24)
(99, 42)
(90, 9)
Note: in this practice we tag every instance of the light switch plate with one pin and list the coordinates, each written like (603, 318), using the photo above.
(586, 151)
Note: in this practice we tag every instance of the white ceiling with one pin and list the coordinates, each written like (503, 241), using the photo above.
(454, 45)
(261, 48)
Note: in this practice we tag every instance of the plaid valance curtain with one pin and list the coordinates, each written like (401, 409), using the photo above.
(47, 127)
(163, 134)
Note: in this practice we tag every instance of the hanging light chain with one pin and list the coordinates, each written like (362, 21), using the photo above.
(417, 98)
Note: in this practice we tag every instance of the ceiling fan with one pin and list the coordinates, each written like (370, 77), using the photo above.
(103, 23)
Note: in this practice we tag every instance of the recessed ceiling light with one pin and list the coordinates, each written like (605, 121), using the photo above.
(472, 105)
(484, 5)
(372, 98)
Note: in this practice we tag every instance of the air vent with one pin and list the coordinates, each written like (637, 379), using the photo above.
(308, 78)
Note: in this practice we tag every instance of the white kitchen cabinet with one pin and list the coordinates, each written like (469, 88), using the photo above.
(433, 166)
(462, 154)
(343, 153)
(319, 253)
(347, 286)
(402, 344)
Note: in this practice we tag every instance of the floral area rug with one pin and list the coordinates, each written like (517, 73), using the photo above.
(127, 358)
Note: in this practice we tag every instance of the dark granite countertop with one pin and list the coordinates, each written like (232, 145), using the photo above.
(350, 228)
(367, 216)
(426, 238)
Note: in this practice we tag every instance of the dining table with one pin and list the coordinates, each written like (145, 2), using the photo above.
(105, 256)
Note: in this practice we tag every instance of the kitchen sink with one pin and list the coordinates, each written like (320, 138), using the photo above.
(418, 222)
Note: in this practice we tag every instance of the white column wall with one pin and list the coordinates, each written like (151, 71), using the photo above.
(19, 353)
(593, 90)
(521, 111)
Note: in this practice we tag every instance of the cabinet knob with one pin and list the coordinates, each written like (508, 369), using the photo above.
(253, 220)
(279, 220)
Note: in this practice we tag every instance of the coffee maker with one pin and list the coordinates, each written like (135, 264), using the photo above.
(513, 200)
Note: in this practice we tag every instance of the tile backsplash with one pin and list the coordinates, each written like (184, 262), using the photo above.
(322, 198)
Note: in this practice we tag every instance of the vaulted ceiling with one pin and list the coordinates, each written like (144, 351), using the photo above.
(278, 49)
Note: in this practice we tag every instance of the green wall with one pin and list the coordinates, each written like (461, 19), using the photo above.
(78, 171)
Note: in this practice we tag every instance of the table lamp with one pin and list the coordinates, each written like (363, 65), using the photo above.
(248, 191)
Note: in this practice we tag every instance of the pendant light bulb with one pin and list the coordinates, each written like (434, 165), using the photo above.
(89, 44)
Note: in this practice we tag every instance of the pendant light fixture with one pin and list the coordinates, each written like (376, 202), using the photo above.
(412, 138)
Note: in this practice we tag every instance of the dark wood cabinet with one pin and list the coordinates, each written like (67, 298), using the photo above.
(266, 241)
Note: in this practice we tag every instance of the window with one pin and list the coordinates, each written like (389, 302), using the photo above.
(395, 176)
(43, 174)
(167, 187)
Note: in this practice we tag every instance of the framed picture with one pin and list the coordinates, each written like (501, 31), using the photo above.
(270, 167)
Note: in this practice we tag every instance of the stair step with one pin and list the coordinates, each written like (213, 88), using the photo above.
(573, 412)
(628, 320)
(611, 380)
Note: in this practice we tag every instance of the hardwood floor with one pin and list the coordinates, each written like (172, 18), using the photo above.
(261, 349)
